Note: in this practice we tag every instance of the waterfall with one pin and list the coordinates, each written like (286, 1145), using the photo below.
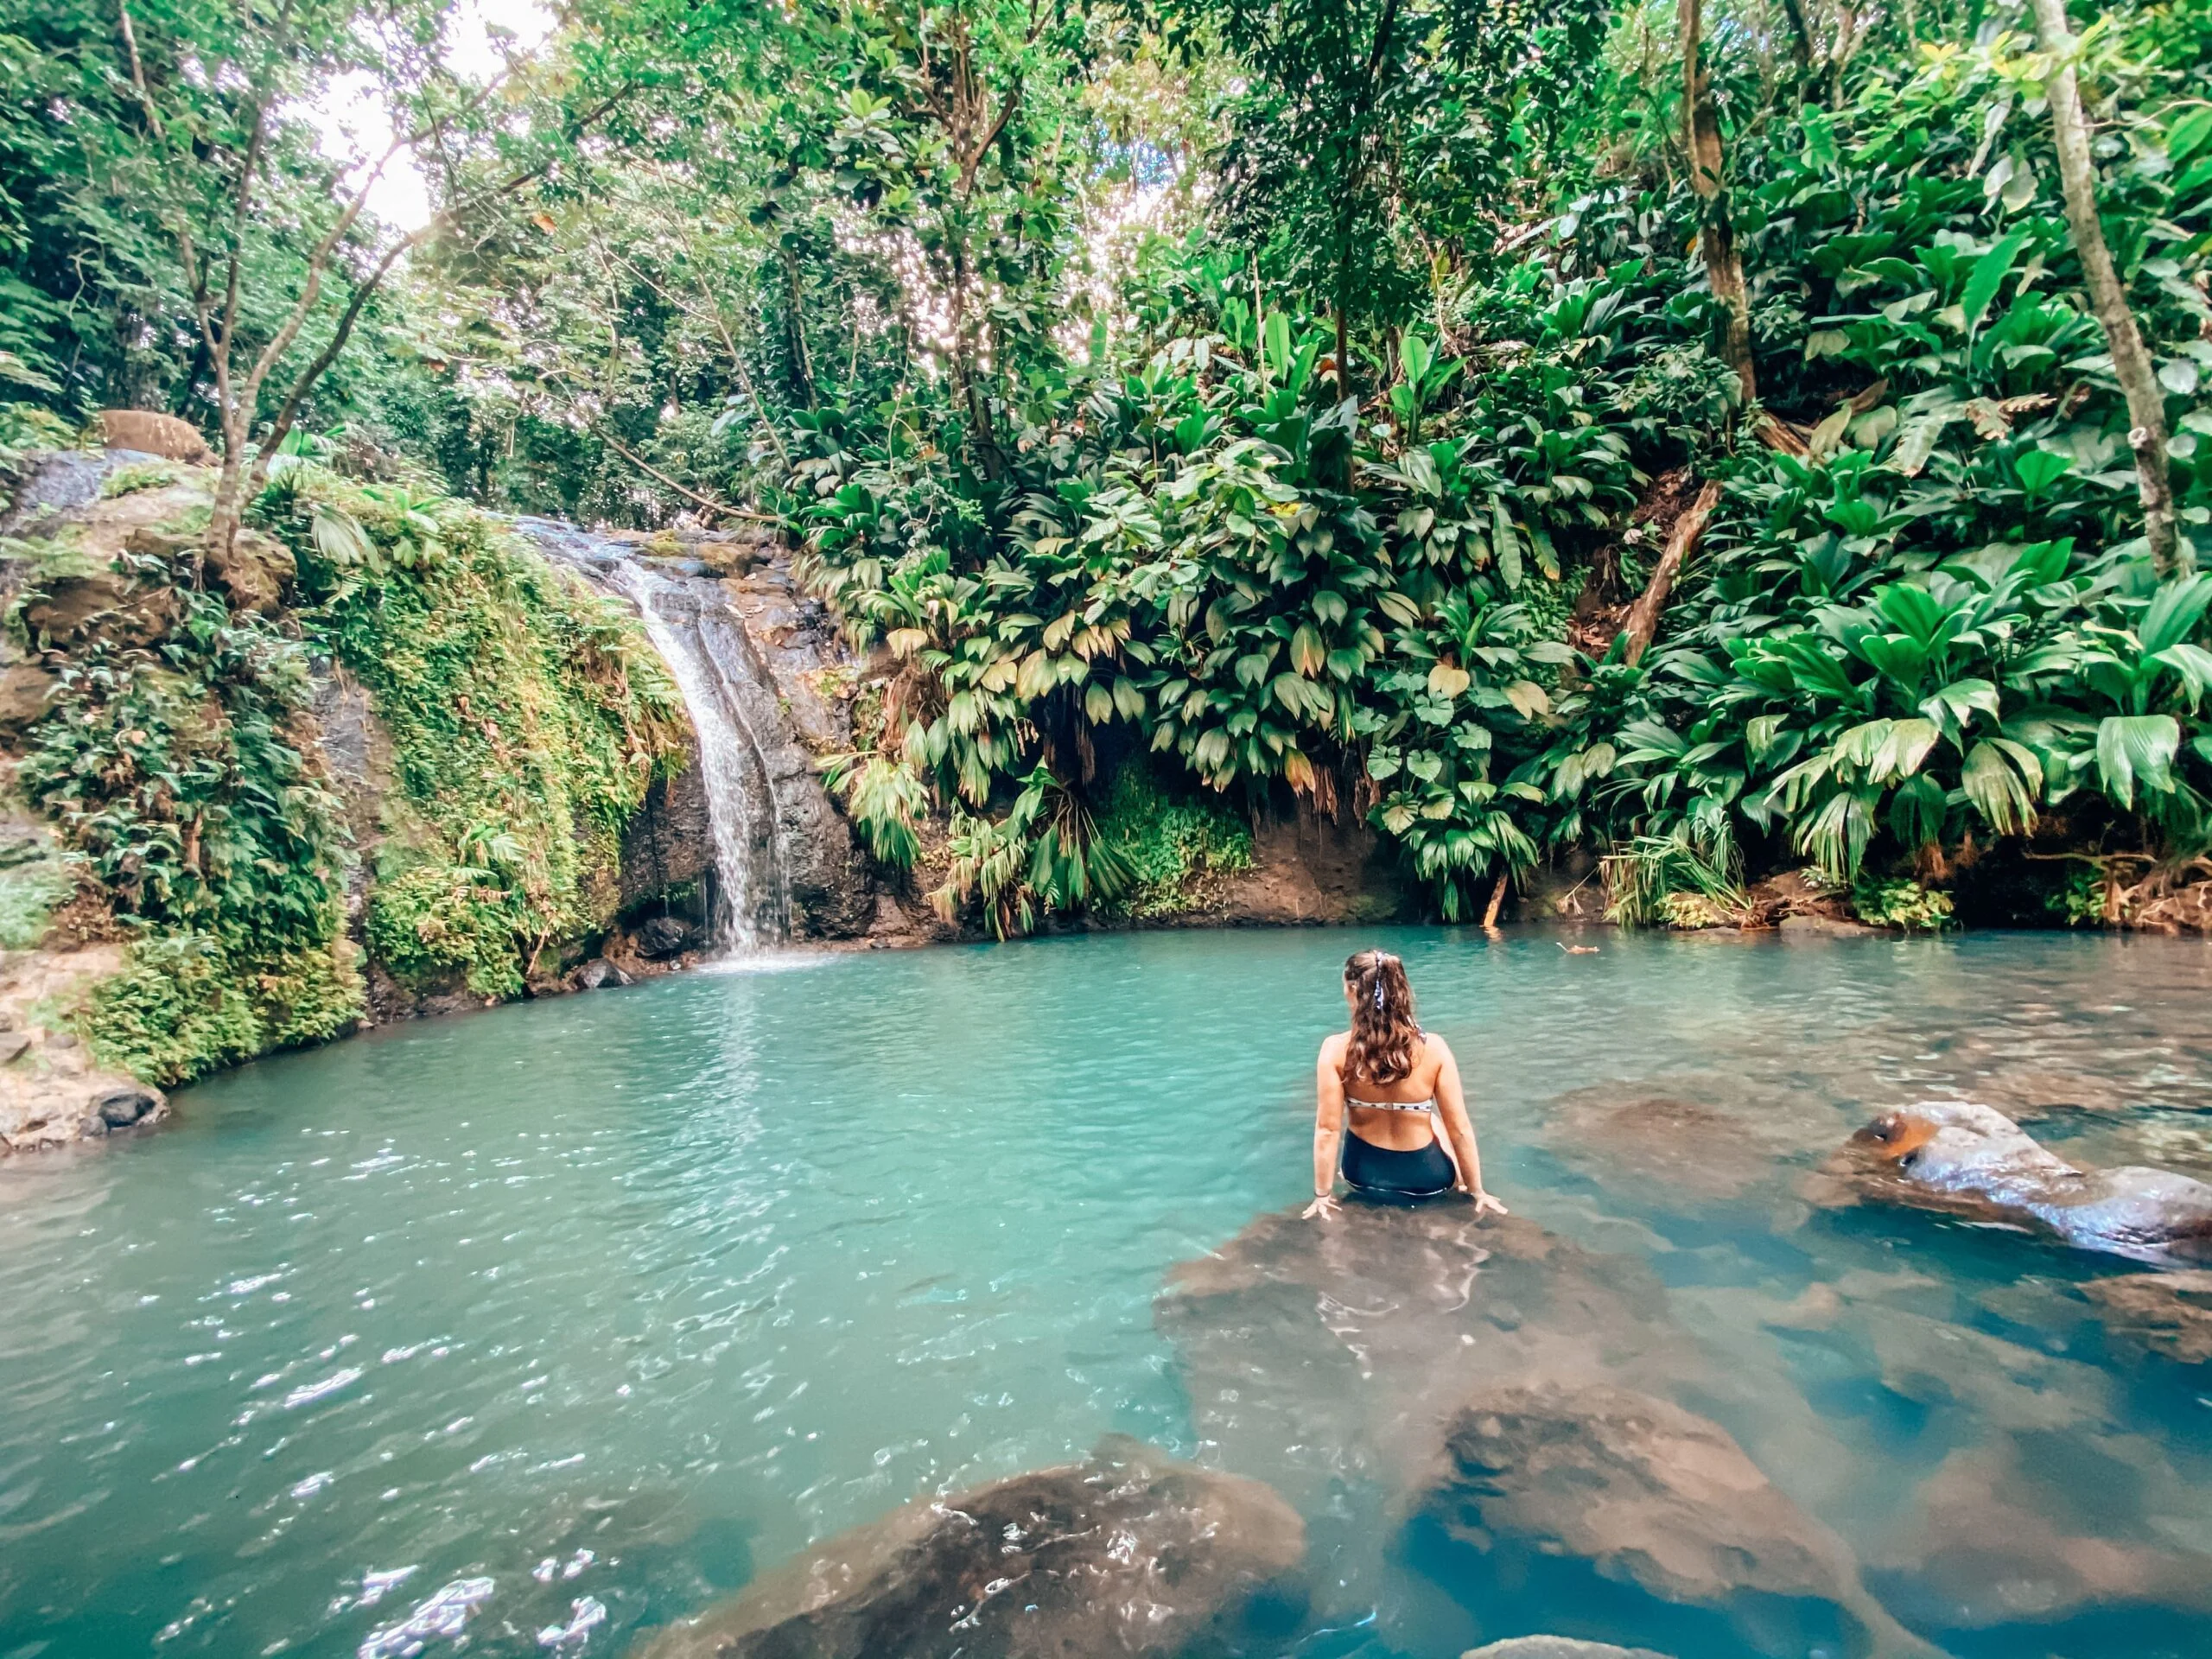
(704, 644)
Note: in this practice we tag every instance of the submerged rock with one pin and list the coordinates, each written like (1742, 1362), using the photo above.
(1557, 1646)
(1647, 1495)
(1130, 1553)
(2170, 1314)
(1705, 1138)
(1988, 1544)
(1325, 1352)
(1968, 1160)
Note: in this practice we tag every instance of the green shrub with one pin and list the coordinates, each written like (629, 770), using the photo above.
(432, 924)
(183, 1005)
(1900, 902)
(2079, 900)
(182, 778)
(28, 894)
(139, 475)
(1171, 846)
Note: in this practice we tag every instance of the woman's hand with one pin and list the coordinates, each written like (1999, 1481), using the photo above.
(1324, 1206)
(1484, 1204)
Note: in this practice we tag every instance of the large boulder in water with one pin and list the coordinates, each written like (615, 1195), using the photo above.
(1556, 1647)
(1331, 1350)
(2170, 1314)
(2028, 1535)
(1130, 1553)
(1964, 1158)
(1616, 1498)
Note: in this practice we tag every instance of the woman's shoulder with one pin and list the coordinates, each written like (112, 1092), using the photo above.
(1333, 1046)
(1434, 1047)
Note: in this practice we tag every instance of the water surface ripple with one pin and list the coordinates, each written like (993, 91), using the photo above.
(625, 1297)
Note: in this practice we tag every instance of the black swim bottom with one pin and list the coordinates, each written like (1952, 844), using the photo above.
(1419, 1174)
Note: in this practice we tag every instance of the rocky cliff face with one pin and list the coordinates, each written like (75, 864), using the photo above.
(776, 663)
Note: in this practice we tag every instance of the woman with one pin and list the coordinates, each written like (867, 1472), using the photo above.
(1395, 1081)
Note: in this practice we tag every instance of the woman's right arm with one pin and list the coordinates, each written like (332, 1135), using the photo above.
(1328, 1129)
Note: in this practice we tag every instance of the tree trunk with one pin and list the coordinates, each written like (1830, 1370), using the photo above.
(2131, 358)
(1724, 266)
(1643, 616)
(1801, 37)
(795, 316)
(1497, 898)
(983, 434)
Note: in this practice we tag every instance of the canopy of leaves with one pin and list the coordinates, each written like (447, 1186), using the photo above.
(1297, 392)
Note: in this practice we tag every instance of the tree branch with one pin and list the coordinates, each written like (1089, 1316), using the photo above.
(1643, 616)
(721, 508)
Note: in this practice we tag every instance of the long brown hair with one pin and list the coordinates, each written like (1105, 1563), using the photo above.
(1383, 1034)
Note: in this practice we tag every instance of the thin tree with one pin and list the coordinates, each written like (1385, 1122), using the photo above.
(213, 256)
(2131, 358)
(1724, 265)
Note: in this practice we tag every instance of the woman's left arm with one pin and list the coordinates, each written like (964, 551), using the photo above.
(1452, 1106)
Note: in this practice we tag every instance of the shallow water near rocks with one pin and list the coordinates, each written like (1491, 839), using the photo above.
(629, 1296)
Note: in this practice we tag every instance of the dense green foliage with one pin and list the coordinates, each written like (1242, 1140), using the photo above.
(179, 776)
(1933, 627)
(1297, 394)
(1177, 851)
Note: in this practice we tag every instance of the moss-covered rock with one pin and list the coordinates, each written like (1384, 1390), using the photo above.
(232, 879)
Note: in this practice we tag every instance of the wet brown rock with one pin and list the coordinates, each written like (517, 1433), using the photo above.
(2170, 1314)
(1647, 1495)
(70, 609)
(1963, 1158)
(1129, 1553)
(1323, 1352)
(25, 692)
(1557, 1646)
(256, 571)
(1311, 868)
(153, 433)
(51, 1092)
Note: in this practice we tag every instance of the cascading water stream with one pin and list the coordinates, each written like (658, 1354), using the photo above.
(751, 908)
(706, 651)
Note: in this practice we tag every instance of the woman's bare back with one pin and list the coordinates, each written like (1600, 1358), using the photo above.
(1392, 1131)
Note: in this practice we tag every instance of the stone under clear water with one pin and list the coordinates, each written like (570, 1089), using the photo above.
(565, 1321)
